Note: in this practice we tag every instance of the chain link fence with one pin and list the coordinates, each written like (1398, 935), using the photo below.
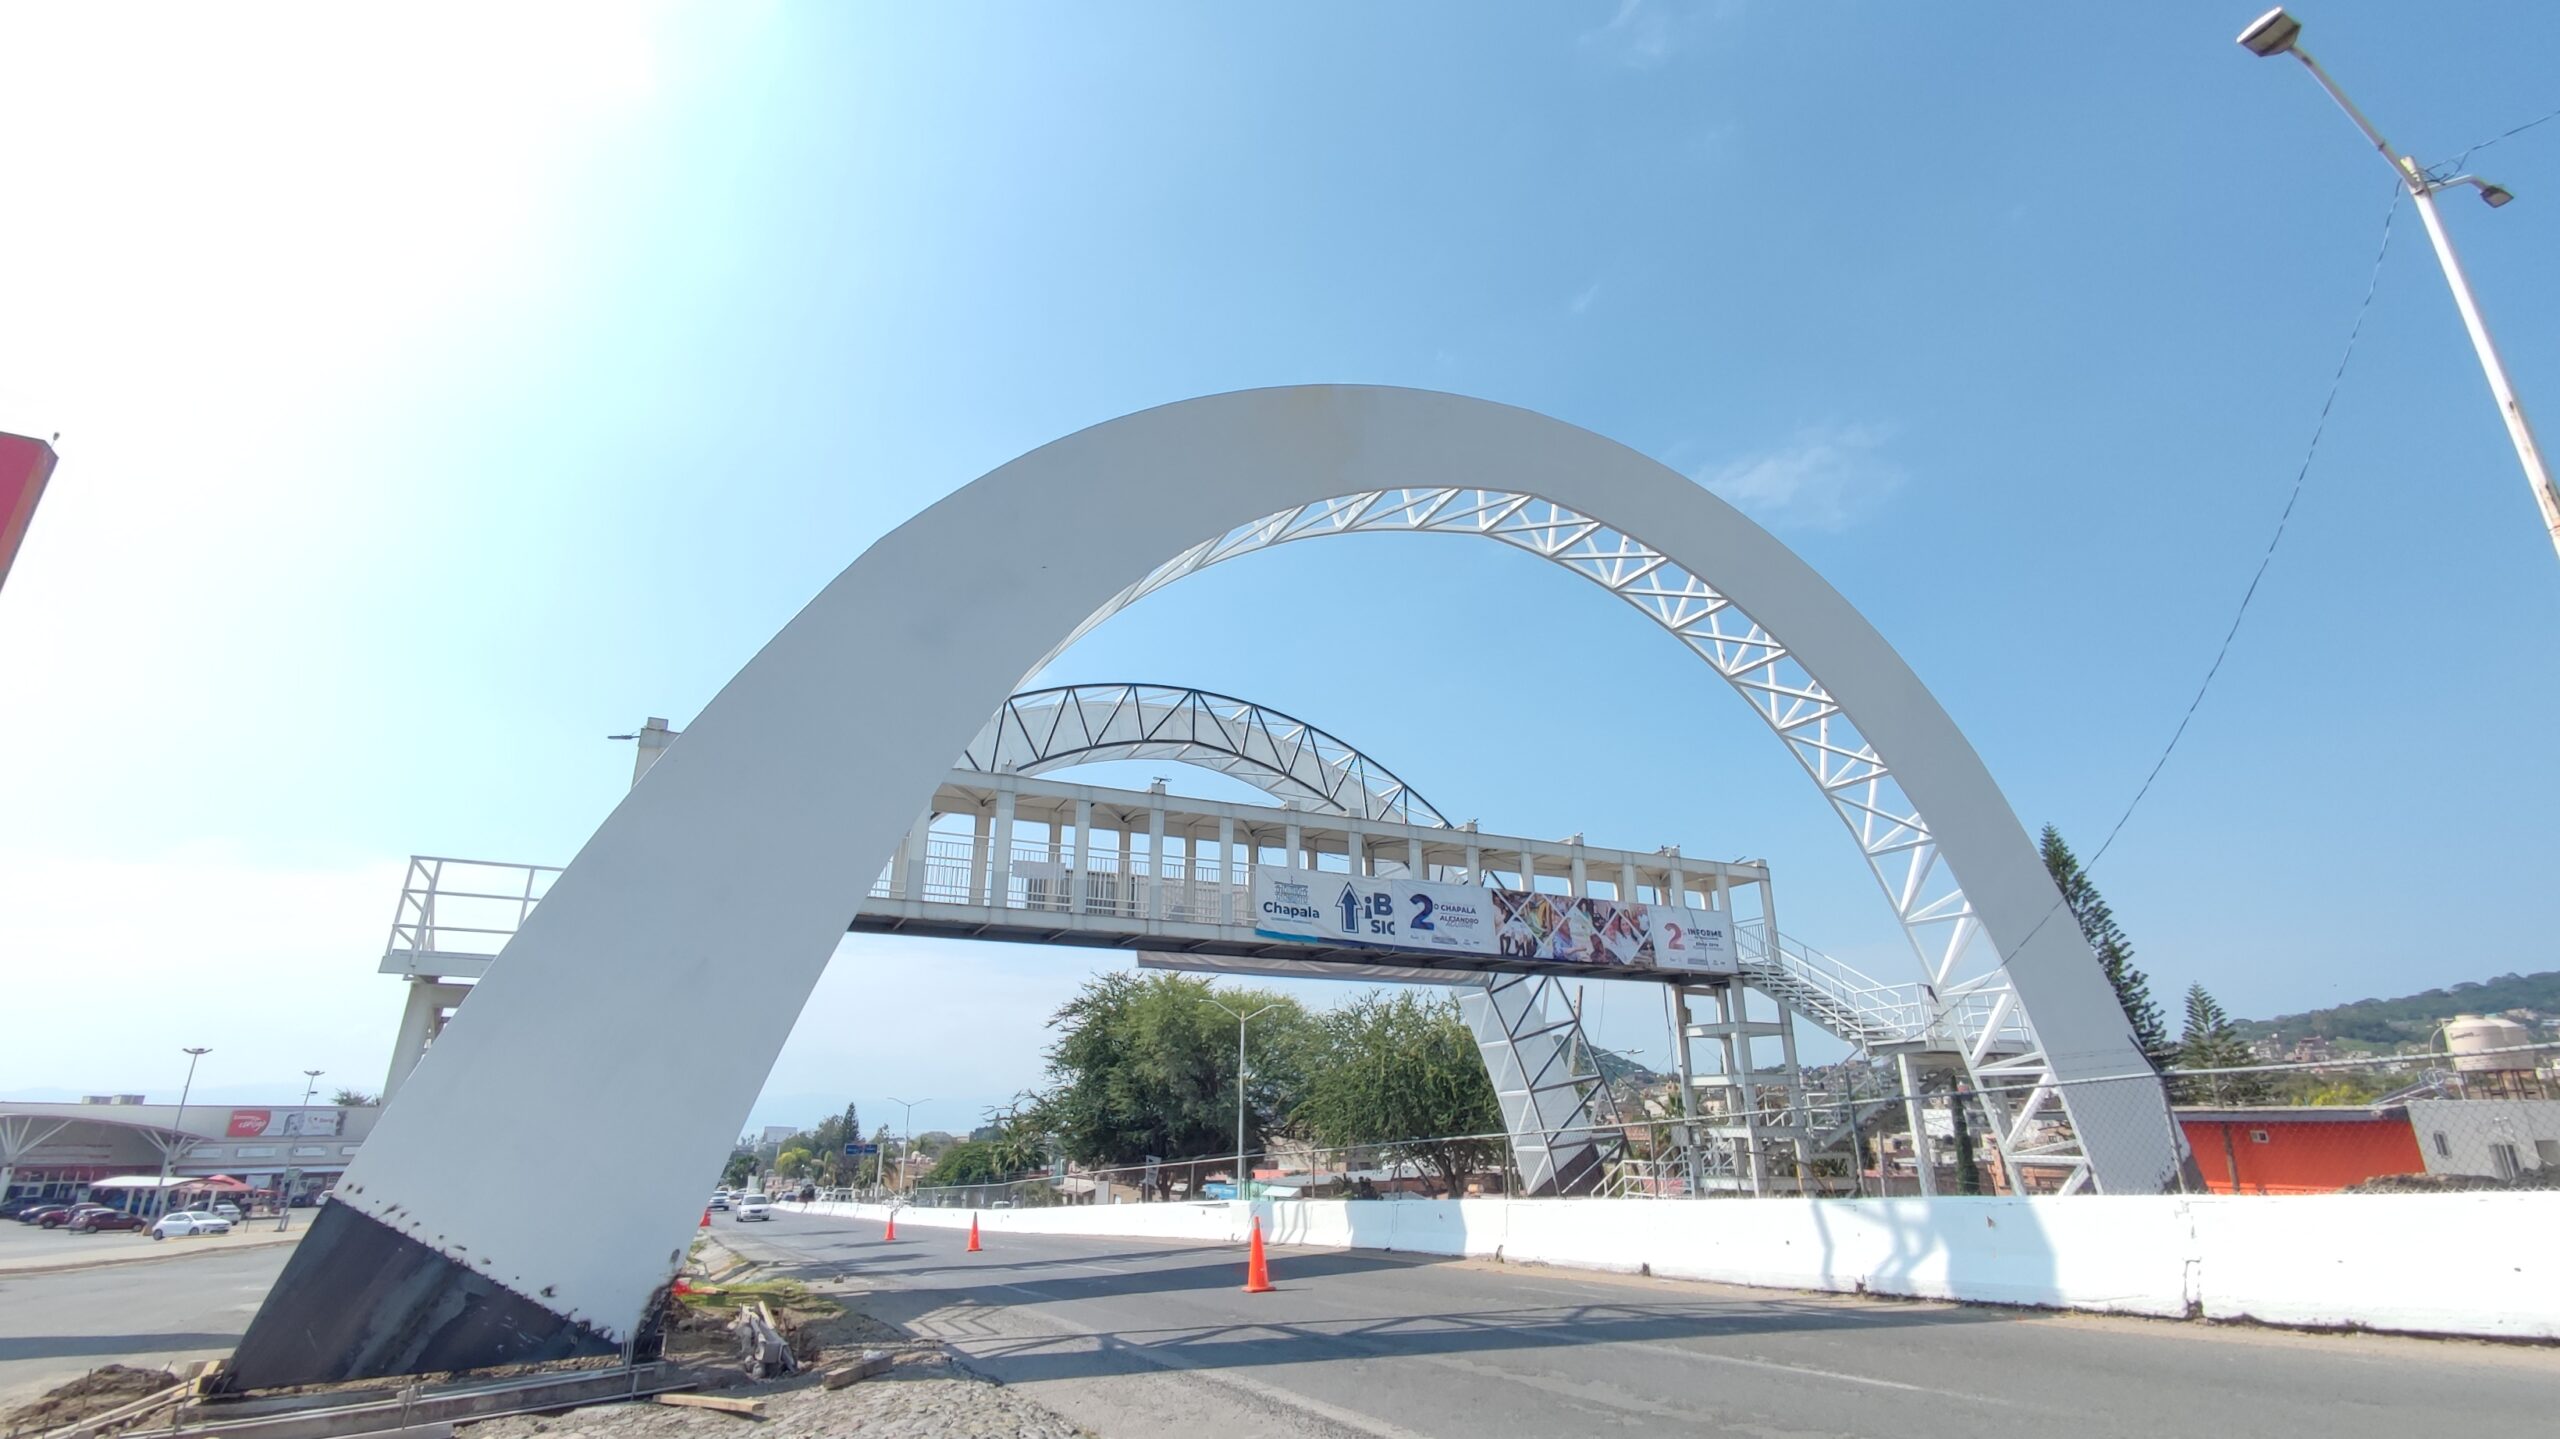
(2398, 1123)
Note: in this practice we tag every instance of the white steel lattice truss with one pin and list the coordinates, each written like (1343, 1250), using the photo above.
(1558, 1118)
(1970, 991)
(1049, 729)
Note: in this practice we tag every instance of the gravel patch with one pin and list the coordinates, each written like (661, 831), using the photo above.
(925, 1397)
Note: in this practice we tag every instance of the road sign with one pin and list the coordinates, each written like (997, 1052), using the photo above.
(853, 1149)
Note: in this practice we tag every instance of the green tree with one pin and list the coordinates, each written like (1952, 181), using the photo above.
(356, 1098)
(1146, 1064)
(740, 1168)
(1015, 1139)
(792, 1162)
(848, 1130)
(2210, 1042)
(2115, 953)
(1401, 1068)
(967, 1162)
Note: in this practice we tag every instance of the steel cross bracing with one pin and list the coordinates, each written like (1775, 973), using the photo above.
(1289, 759)
(1964, 979)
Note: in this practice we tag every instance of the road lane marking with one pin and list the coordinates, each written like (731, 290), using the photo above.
(1807, 1371)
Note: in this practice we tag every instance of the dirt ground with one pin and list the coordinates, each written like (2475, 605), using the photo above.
(95, 1392)
(922, 1396)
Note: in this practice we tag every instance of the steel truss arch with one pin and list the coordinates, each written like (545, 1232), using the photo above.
(1976, 1006)
(751, 843)
(1285, 757)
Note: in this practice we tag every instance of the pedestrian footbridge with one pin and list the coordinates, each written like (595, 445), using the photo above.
(1009, 852)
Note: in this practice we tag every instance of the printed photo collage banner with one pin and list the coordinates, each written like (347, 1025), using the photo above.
(1449, 920)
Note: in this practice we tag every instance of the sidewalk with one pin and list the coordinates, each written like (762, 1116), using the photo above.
(96, 1251)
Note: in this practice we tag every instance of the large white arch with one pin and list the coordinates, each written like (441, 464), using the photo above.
(749, 845)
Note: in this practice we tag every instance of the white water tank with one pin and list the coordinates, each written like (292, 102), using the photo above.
(2467, 1035)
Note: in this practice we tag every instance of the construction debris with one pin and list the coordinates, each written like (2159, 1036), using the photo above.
(763, 1352)
(752, 1408)
(873, 1362)
(114, 1394)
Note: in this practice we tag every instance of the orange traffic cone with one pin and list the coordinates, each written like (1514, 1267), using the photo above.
(973, 1232)
(706, 1218)
(892, 1236)
(1257, 1270)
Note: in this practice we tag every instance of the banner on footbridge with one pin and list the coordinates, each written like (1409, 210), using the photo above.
(1430, 917)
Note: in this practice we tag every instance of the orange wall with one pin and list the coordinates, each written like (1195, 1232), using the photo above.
(2301, 1158)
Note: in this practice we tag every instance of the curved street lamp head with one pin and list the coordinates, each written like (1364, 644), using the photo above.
(2271, 34)
(2495, 195)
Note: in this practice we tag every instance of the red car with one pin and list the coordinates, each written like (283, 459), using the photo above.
(99, 1221)
(52, 1216)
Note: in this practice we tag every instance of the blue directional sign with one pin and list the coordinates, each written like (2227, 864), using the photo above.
(852, 1149)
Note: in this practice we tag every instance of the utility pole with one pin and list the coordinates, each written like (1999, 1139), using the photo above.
(292, 1172)
(2278, 33)
(1241, 1020)
(910, 1106)
(169, 1151)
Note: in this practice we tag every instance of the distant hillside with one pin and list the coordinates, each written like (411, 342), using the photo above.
(1616, 1068)
(2410, 1019)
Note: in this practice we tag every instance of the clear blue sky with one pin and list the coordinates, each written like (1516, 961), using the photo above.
(437, 398)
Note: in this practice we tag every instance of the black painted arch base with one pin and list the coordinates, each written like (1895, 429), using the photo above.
(359, 1300)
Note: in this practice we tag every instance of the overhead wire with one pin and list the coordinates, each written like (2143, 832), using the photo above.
(2293, 497)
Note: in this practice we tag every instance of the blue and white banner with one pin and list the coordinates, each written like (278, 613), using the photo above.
(1429, 917)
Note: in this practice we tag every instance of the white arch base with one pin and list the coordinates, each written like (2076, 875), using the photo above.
(750, 843)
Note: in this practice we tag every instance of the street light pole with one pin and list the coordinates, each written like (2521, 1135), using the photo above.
(169, 1151)
(2278, 33)
(1241, 1020)
(284, 1198)
(910, 1106)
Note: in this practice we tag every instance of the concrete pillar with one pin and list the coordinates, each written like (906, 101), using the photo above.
(1075, 867)
(1154, 891)
(421, 1020)
(1229, 873)
(1000, 850)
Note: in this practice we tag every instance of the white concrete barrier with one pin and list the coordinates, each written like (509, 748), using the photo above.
(2476, 1264)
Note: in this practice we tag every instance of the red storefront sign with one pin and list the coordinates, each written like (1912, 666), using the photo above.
(249, 1123)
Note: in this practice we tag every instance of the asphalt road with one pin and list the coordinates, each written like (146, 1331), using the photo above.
(1142, 1338)
(59, 1326)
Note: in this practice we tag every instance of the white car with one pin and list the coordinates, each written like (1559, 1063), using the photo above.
(190, 1221)
(225, 1209)
(754, 1206)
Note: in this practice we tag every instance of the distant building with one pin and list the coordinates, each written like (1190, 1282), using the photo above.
(58, 1151)
(776, 1133)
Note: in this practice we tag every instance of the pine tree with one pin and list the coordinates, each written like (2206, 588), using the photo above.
(2115, 952)
(2209, 1042)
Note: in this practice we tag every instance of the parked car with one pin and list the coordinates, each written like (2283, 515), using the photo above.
(62, 1214)
(226, 1209)
(102, 1219)
(17, 1207)
(190, 1221)
(754, 1206)
(56, 1209)
(720, 1200)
